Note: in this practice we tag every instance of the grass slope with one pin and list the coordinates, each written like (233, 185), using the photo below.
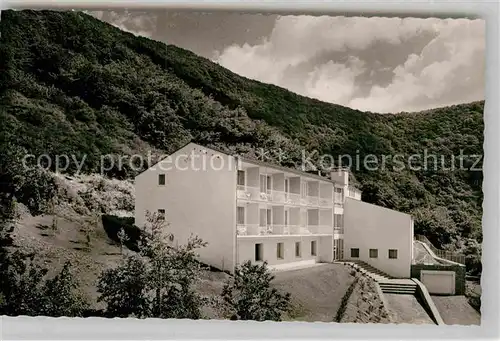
(71, 84)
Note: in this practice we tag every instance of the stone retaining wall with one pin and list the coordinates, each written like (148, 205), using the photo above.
(364, 304)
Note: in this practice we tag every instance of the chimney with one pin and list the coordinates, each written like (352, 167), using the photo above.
(340, 176)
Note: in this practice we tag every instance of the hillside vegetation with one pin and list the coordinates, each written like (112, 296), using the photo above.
(71, 84)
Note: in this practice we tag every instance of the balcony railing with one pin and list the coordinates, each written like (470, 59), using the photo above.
(354, 193)
(248, 192)
(276, 196)
(255, 193)
(276, 229)
(293, 198)
(325, 202)
(314, 201)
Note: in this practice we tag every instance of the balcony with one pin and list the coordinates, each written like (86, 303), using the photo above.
(276, 196)
(256, 230)
(255, 194)
(293, 199)
(325, 202)
(313, 200)
(354, 193)
(248, 193)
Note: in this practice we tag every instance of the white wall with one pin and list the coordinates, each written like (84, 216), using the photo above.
(198, 199)
(246, 248)
(438, 282)
(368, 226)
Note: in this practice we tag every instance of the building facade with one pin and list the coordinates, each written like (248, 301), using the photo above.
(250, 210)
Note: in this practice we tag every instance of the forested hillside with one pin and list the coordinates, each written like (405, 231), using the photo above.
(71, 84)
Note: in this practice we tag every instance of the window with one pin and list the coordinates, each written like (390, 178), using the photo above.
(297, 250)
(339, 193)
(269, 183)
(241, 178)
(263, 187)
(339, 220)
(161, 214)
(354, 253)
(304, 189)
(259, 252)
(313, 248)
(240, 215)
(161, 179)
(269, 217)
(280, 251)
(393, 254)
(373, 253)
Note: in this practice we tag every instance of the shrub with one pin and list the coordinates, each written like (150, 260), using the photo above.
(124, 288)
(249, 295)
(157, 283)
(113, 225)
(61, 295)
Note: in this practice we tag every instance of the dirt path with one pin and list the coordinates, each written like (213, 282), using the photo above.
(316, 291)
(407, 309)
(456, 310)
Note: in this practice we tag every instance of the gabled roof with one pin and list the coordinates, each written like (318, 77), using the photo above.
(250, 160)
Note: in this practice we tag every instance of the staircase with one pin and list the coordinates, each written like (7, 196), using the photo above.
(398, 286)
(374, 273)
(387, 283)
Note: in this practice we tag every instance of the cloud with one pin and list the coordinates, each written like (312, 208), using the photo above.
(375, 64)
(137, 23)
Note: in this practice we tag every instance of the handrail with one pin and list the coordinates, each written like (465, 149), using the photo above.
(448, 255)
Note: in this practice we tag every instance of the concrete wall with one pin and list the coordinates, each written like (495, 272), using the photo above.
(458, 269)
(198, 199)
(324, 249)
(368, 226)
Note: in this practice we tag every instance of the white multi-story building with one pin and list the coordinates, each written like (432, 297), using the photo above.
(250, 210)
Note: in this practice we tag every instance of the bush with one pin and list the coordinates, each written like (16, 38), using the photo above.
(61, 295)
(157, 283)
(27, 291)
(124, 288)
(113, 225)
(249, 295)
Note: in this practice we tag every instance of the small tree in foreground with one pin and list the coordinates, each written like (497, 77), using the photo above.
(249, 295)
(159, 281)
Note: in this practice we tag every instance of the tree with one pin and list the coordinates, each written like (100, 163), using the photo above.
(124, 288)
(24, 286)
(61, 295)
(249, 295)
(157, 282)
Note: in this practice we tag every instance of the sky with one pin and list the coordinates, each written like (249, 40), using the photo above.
(385, 65)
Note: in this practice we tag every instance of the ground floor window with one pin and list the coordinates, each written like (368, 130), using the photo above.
(280, 251)
(313, 248)
(373, 253)
(297, 249)
(259, 252)
(393, 254)
(354, 253)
